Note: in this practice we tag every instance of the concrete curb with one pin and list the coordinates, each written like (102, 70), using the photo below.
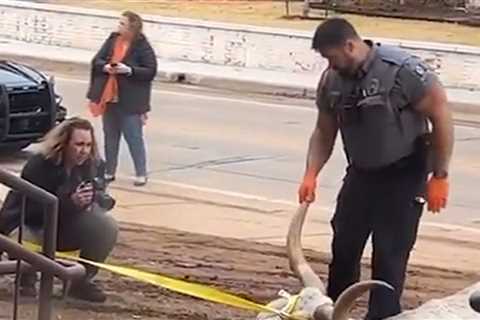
(227, 81)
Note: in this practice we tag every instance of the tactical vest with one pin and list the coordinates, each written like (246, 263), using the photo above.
(376, 130)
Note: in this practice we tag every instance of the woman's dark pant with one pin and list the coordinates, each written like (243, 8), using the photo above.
(115, 124)
(93, 232)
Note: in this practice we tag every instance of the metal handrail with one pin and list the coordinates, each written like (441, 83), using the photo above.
(38, 262)
(45, 263)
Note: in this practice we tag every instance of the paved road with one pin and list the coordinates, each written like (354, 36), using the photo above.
(255, 146)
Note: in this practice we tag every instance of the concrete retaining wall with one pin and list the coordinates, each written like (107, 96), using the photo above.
(215, 43)
(473, 3)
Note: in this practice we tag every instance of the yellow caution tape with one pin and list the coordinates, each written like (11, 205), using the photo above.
(292, 303)
(180, 286)
(38, 248)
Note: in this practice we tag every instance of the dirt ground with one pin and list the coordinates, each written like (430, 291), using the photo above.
(253, 270)
(272, 13)
(439, 10)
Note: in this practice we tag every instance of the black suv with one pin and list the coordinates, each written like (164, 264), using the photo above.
(29, 106)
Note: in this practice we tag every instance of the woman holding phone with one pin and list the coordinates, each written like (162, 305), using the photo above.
(120, 91)
(68, 166)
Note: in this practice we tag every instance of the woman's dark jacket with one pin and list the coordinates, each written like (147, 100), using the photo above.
(134, 89)
(52, 177)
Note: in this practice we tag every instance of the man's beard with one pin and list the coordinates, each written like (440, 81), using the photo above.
(346, 72)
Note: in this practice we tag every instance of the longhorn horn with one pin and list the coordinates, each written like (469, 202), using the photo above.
(297, 260)
(348, 297)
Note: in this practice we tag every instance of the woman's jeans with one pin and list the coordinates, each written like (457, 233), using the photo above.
(115, 123)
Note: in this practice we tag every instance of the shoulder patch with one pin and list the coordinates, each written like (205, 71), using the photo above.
(418, 68)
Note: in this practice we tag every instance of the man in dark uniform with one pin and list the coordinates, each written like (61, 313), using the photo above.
(383, 101)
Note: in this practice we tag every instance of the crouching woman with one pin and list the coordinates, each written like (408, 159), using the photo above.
(69, 167)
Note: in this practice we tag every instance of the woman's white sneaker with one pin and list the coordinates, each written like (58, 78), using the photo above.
(140, 181)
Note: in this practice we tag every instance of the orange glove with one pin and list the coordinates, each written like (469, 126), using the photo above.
(437, 193)
(306, 192)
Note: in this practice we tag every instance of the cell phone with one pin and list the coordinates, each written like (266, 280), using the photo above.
(83, 184)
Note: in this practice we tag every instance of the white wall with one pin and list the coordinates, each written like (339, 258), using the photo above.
(216, 43)
(473, 3)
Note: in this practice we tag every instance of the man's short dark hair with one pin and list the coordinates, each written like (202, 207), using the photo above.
(333, 33)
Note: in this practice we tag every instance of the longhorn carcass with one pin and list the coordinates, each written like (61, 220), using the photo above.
(312, 303)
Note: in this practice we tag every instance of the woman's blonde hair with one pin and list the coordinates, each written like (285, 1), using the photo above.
(135, 22)
(54, 143)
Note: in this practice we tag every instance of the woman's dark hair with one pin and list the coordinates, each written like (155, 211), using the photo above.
(135, 22)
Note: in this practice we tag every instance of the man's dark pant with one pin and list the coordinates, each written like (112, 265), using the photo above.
(385, 205)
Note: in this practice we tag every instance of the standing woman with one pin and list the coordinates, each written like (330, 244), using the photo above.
(120, 89)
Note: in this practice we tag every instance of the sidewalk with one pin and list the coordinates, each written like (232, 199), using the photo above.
(262, 220)
(214, 76)
(441, 262)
